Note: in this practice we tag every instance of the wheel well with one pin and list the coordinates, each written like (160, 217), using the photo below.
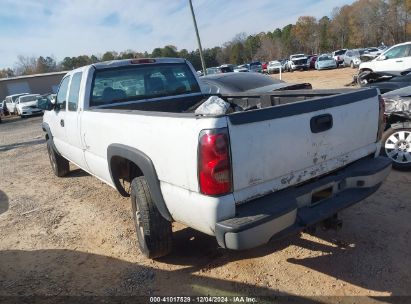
(364, 70)
(123, 172)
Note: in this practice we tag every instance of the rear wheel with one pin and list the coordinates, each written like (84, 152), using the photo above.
(154, 232)
(396, 145)
(59, 164)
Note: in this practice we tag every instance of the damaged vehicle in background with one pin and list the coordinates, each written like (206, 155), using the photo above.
(394, 60)
(352, 58)
(26, 105)
(396, 140)
(297, 62)
(247, 82)
(339, 56)
(384, 81)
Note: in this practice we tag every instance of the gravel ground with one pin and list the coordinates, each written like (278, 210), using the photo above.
(74, 236)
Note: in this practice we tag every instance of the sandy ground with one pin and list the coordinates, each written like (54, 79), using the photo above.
(74, 236)
(326, 79)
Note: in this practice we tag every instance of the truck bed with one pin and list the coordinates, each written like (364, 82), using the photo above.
(244, 101)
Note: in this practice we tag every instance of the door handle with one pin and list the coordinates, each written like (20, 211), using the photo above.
(321, 123)
(62, 122)
(399, 61)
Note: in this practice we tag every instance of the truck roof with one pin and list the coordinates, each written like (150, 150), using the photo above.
(125, 62)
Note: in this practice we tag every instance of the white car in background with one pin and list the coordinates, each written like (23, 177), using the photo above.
(26, 105)
(274, 67)
(394, 60)
(11, 102)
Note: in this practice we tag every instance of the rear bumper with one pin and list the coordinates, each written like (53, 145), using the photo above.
(291, 210)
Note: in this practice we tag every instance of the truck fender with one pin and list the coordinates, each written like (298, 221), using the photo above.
(146, 166)
(401, 125)
(46, 128)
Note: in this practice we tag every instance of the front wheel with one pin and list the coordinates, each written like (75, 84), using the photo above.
(154, 232)
(59, 164)
(396, 145)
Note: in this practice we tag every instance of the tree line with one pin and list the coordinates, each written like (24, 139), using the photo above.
(364, 23)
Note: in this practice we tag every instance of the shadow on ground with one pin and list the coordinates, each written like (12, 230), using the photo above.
(4, 202)
(67, 272)
(349, 262)
(22, 144)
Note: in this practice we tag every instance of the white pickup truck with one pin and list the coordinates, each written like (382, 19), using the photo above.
(273, 164)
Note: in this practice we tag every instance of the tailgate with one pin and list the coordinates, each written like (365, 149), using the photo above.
(277, 147)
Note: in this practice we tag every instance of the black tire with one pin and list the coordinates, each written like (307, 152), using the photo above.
(392, 149)
(59, 164)
(154, 232)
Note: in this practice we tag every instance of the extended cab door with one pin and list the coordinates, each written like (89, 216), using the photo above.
(72, 122)
(57, 117)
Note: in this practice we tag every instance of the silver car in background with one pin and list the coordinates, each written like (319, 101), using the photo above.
(274, 67)
(352, 57)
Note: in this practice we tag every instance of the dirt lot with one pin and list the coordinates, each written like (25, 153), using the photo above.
(74, 236)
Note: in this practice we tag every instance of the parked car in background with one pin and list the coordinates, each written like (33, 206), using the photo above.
(352, 57)
(255, 66)
(4, 108)
(284, 63)
(27, 105)
(247, 82)
(386, 82)
(297, 62)
(311, 62)
(274, 67)
(11, 102)
(325, 62)
(373, 51)
(396, 140)
(1, 113)
(226, 68)
(394, 60)
(241, 68)
(264, 66)
(339, 56)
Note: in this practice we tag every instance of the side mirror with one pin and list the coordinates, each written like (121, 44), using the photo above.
(382, 57)
(45, 104)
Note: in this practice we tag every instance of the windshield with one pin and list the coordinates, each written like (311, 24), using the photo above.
(28, 98)
(324, 58)
(142, 82)
(340, 52)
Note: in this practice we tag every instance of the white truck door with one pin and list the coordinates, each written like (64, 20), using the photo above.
(397, 60)
(72, 122)
(58, 118)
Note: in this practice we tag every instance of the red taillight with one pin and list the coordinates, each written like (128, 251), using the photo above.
(142, 61)
(381, 118)
(214, 162)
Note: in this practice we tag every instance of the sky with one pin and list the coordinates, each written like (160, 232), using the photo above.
(63, 28)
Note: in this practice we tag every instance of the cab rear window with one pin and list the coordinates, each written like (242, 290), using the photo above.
(142, 82)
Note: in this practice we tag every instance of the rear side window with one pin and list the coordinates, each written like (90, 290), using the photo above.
(62, 94)
(142, 82)
(397, 52)
(74, 91)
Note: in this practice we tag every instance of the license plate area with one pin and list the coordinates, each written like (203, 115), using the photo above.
(320, 195)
